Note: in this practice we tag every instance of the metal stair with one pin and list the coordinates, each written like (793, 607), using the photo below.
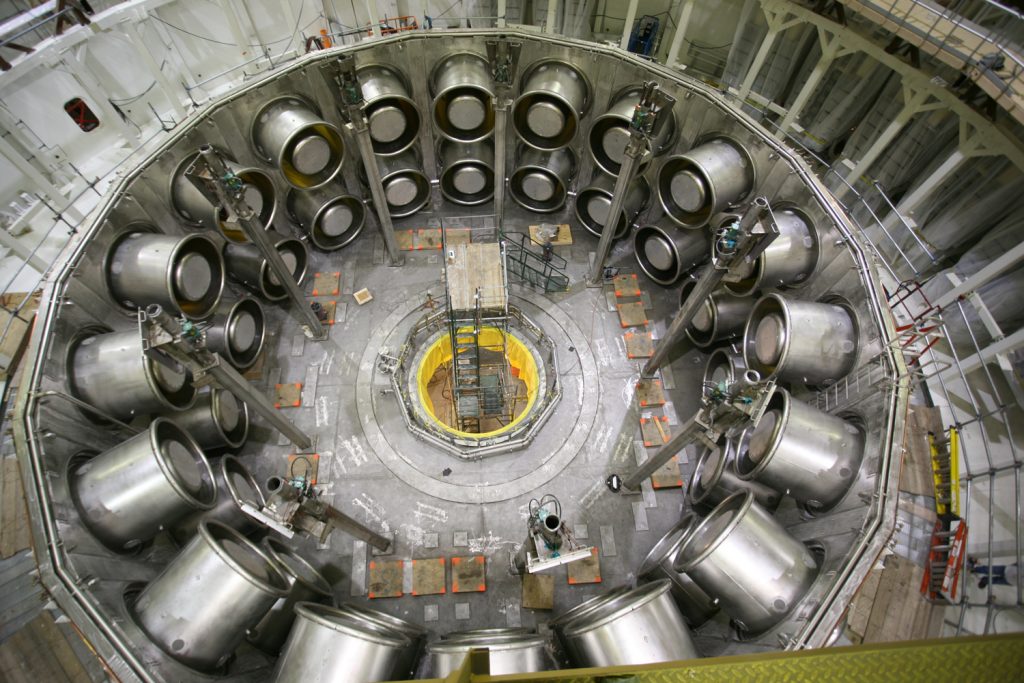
(531, 268)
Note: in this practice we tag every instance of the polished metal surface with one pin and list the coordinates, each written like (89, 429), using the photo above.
(694, 186)
(667, 254)
(247, 266)
(200, 607)
(288, 132)
(609, 134)
(406, 187)
(695, 605)
(714, 479)
(722, 317)
(554, 96)
(463, 106)
(540, 181)
(110, 372)
(196, 210)
(392, 115)
(216, 420)
(327, 644)
(594, 202)
(789, 260)
(129, 493)
(417, 635)
(467, 175)
(724, 366)
(329, 215)
(235, 487)
(642, 626)
(800, 341)
(746, 560)
(182, 274)
(802, 452)
(237, 331)
(508, 652)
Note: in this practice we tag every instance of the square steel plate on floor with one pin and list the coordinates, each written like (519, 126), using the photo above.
(639, 345)
(288, 395)
(428, 576)
(587, 570)
(386, 579)
(468, 574)
(326, 284)
(538, 591)
(632, 314)
(649, 392)
(626, 285)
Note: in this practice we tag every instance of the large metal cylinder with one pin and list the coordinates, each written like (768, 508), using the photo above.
(801, 451)
(594, 203)
(508, 653)
(331, 217)
(724, 366)
(417, 635)
(200, 607)
(216, 420)
(463, 98)
(328, 645)
(642, 626)
(128, 493)
(789, 260)
(610, 133)
(391, 115)
(406, 187)
(722, 316)
(289, 133)
(714, 479)
(111, 372)
(540, 181)
(558, 623)
(665, 255)
(246, 265)
(195, 209)
(235, 487)
(696, 606)
(746, 560)
(553, 99)
(467, 171)
(305, 584)
(695, 186)
(182, 274)
(800, 341)
(237, 331)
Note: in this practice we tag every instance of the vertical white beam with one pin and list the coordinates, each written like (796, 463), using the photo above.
(39, 182)
(920, 194)
(371, 10)
(685, 11)
(502, 8)
(549, 23)
(830, 49)
(21, 250)
(134, 33)
(237, 34)
(759, 59)
(628, 28)
(913, 100)
(745, 15)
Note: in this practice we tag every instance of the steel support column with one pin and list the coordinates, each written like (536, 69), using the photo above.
(831, 49)
(685, 12)
(627, 28)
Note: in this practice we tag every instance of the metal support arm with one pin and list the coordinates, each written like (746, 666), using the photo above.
(503, 56)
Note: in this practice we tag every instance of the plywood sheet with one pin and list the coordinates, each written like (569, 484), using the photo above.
(587, 570)
(639, 345)
(650, 392)
(326, 284)
(428, 576)
(386, 579)
(632, 314)
(469, 574)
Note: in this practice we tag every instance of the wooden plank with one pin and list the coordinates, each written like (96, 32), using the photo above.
(860, 606)
(893, 613)
(25, 660)
(475, 267)
(22, 532)
(60, 649)
(8, 508)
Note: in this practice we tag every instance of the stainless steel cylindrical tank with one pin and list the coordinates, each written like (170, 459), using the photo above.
(235, 487)
(695, 186)
(540, 181)
(610, 133)
(724, 365)
(289, 133)
(237, 331)
(246, 265)
(746, 560)
(328, 645)
(463, 97)
(200, 607)
(305, 584)
(216, 420)
(195, 209)
(696, 606)
(467, 171)
(406, 187)
(510, 653)
(800, 341)
(558, 623)
(128, 493)
(183, 274)
(722, 316)
(111, 372)
(667, 254)
(803, 452)
(554, 96)
(643, 626)
(331, 217)
(594, 202)
(714, 479)
(788, 260)
(392, 116)
(417, 635)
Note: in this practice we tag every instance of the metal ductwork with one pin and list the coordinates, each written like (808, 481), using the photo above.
(216, 420)
(247, 266)
(800, 341)
(237, 332)
(235, 487)
(594, 203)
(392, 116)
(329, 215)
(288, 133)
(541, 180)
(695, 186)
(182, 274)
(129, 493)
(714, 479)
(802, 452)
(789, 260)
(463, 97)
(695, 605)
(467, 171)
(610, 133)
(667, 254)
(722, 316)
(554, 96)
(741, 557)
(508, 652)
(195, 209)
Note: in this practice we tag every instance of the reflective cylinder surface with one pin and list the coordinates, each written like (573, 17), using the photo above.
(540, 181)
(696, 606)
(247, 266)
(467, 175)
(235, 487)
(391, 115)
(195, 209)
(554, 96)
(216, 420)
(329, 215)
(722, 316)
(289, 133)
(406, 187)
(610, 134)
(667, 254)
(463, 97)
(509, 653)
(417, 635)
(724, 366)
(696, 185)
(594, 203)
(788, 260)
(714, 479)
(237, 332)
